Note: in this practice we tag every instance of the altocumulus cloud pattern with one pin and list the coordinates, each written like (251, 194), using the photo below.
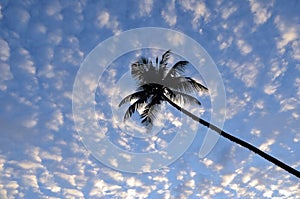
(255, 45)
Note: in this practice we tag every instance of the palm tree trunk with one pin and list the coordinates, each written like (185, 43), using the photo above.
(236, 140)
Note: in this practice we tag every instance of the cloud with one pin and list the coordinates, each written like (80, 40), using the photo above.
(41, 67)
(5, 75)
(45, 155)
(5, 72)
(57, 120)
(287, 37)
(234, 106)
(72, 193)
(246, 72)
(261, 11)
(243, 46)
(30, 180)
(266, 146)
(176, 39)
(228, 11)
(297, 85)
(145, 7)
(1, 15)
(68, 178)
(133, 182)
(288, 104)
(199, 9)
(24, 61)
(105, 19)
(4, 50)
(169, 14)
(271, 88)
(53, 8)
(274, 75)
(296, 49)
(26, 164)
(289, 34)
(227, 179)
(101, 188)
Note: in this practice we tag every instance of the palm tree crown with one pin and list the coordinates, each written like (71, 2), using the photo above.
(158, 83)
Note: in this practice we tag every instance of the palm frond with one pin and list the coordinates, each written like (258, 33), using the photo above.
(164, 59)
(156, 84)
(184, 84)
(197, 85)
(177, 69)
(149, 113)
(183, 97)
(134, 107)
(133, 96)
(140, 68)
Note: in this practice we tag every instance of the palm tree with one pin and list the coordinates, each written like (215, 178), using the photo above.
(157, 84)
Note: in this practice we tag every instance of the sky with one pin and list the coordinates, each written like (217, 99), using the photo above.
(44, 46)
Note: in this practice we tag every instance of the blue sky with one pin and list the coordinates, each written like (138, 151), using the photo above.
(254, 44)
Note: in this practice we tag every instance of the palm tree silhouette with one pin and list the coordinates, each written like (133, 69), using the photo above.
(157, 84)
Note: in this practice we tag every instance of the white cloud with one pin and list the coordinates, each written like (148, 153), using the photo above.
(55, 36)
(30, 122)
(270, 89)
(4, 50)
(101, 189)
(45, 155)
(30, 180)
(117, 176)
(296, 49)
(199, 10)
(260, 104)
(145, 7)
(12, 185)
(72, 193)
(278, 68)
(228, 11)
(105, 19)
(133, 182)
(227, 179)
(225, 42)
(57, 120)
(69, 178)
(297, 85)
(260, 11)
(288, 104)
(266, 146)
(234, 106)
(244, 46)
(5, 74)
(256, 132)
(33, 152)
(246, 72)
(176, 39)
(47, 71)
(25, 61)
(1, 12)
(169, 14)
(27, 164)
(289, 35)
(46, 180)
(53, 7)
